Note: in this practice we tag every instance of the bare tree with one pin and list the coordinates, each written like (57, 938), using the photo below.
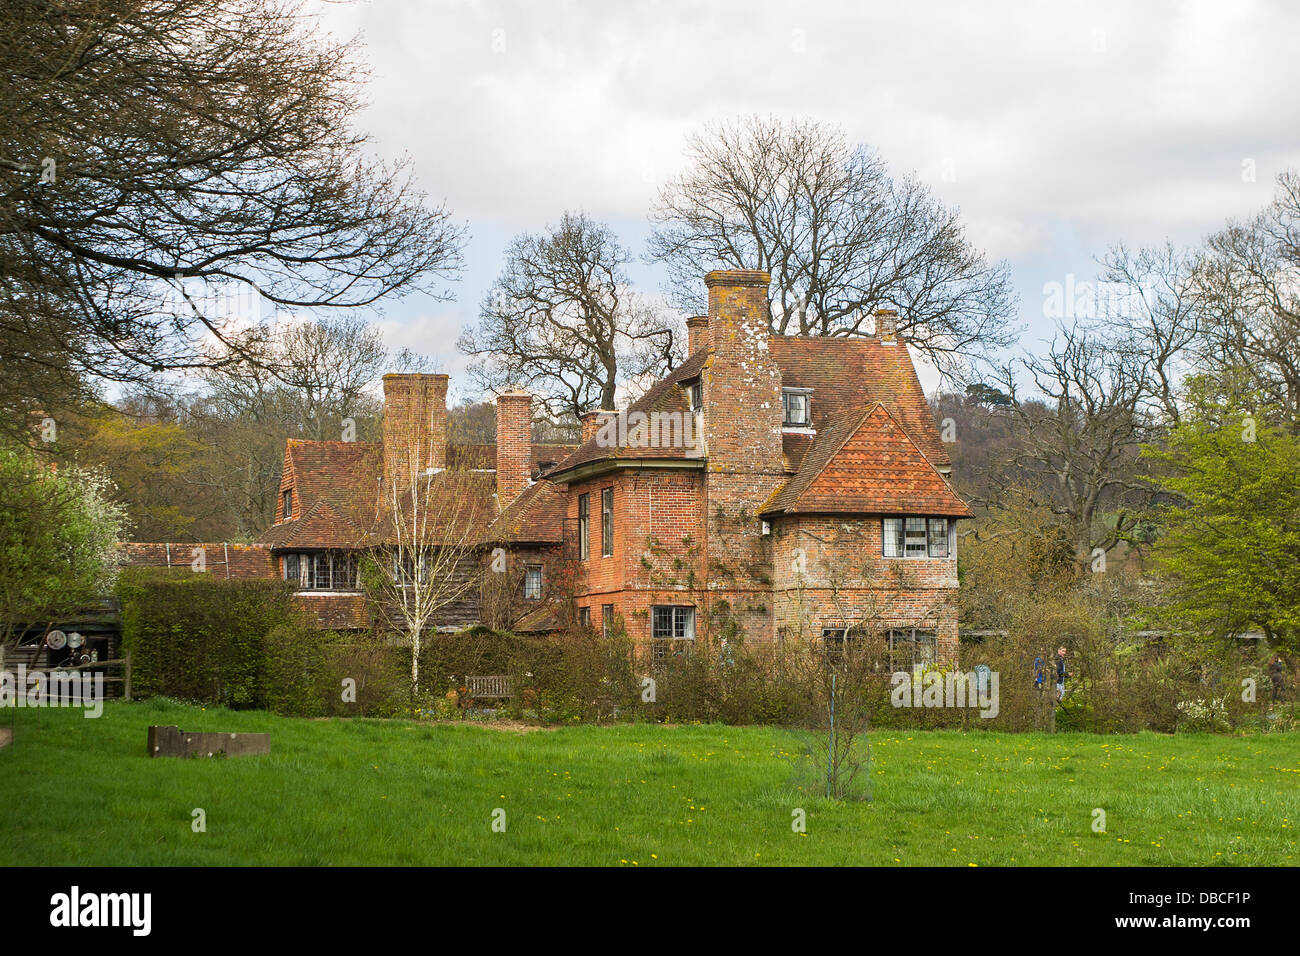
(1161, 314)
(1249, 285)
(154, 145)
(1080, 422)
(422, 565)
(563, 322)
(839, 234)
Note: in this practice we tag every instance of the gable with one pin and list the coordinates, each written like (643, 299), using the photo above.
(865, 463)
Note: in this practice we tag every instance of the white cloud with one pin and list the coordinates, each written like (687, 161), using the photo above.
(1066, 127)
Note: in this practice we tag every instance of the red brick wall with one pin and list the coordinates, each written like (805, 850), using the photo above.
(658, 544)
(514, 445)
(845, 580)
(415, 423)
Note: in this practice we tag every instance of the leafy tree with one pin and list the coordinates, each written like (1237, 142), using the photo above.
(58, 530)
(1230, 530)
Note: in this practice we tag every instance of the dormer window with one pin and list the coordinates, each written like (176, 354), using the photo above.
(288, 503)
(696, 393)
(795, 405)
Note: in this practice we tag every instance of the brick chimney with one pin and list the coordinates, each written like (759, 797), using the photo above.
(514, 445)
(887, 326)
(415, 424)
(591, 422)
(697, 330)
(742, 419)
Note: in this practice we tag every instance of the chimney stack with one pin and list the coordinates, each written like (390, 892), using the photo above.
(591, 422)
(514, 445)
(887, 326)
(742, 422)
(415, 424)
(697, 330)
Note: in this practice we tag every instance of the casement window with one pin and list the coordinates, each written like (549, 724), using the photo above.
(584, 616)
(533, 582)
(322, 570)
(696, 393)
(288, 504)
(795, 407)
(836, 639)
(606, 619)
(910, 647)
(607, 523)
(670, 621)
(584, 518)
(916, 537)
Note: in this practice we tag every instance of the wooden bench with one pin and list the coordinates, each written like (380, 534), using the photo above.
(489, 688)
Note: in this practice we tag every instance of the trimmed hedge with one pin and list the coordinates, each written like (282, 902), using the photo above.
(200, 638)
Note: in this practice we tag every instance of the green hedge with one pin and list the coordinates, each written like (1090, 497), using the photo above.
(243, 643)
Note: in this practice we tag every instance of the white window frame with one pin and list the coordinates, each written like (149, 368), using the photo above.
(914, 537)
(680, 623)
(533, 592)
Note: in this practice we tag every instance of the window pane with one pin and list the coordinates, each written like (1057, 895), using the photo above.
(914, 529)
(583, 512)
(607, 522)
(533, 583)
(938, 537)
(893, 532)
(662, 622)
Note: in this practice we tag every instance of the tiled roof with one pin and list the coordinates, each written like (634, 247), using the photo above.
(863, 462)
(663, 396)
(336, 611)
(339, 492)
(219, 557)
(337, 486)
(484, 456)
(535, 517)
(847, 373)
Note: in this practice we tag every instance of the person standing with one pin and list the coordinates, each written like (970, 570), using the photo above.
(1275, 675)
(1061, 674)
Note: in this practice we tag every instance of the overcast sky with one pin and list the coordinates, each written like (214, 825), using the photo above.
(1057, 128)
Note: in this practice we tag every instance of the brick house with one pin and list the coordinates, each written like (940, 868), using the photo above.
(779, 488)
(769, 489)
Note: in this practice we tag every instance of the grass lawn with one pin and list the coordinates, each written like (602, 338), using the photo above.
(361, 792)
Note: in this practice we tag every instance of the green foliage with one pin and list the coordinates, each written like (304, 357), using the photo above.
(58, 531)
(1230, 536)
(199, 637)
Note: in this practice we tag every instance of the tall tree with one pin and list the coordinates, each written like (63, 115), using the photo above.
(156, 150)
(839, 234)
(563, 322)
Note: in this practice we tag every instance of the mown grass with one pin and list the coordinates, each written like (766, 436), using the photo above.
(362, 792)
